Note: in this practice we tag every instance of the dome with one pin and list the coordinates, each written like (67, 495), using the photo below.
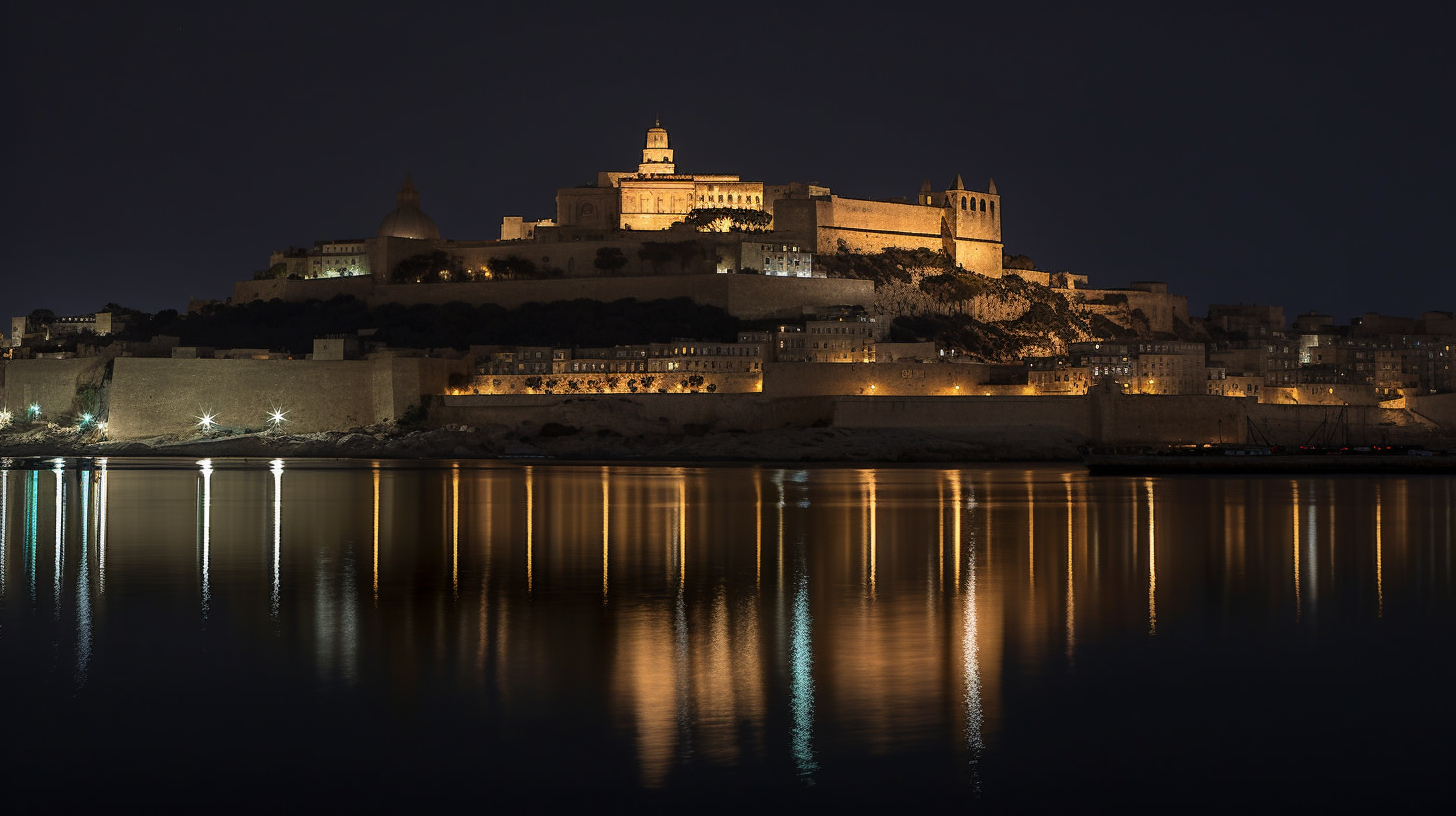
(408, 220)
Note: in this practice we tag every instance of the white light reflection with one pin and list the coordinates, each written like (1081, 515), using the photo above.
(58, 469)
(32, 531)
(275, 601)
(4, 521)
(205, 512)
(971, 657)
(801, 684)
(83, 587)
(101, 490)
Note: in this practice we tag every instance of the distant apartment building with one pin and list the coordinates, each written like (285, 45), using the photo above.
(849, 339)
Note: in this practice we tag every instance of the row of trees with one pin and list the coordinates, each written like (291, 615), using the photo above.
(292, 327)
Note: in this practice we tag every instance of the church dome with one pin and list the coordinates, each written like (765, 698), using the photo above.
(408, 220)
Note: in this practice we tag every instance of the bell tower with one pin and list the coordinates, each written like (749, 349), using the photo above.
(657, 156)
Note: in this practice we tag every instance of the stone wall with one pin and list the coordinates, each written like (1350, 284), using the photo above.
(984, 415)
(881, 379)
(609, 383)
(151, 397)
(51, 384)
(634, 414)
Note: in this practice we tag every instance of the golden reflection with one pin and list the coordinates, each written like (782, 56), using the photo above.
(940, 534)
(871, 517)
(455, 530)
(1294, 548)
(957, 502)
(1380, 557)
(1071, 591)
(682, 529)
(1031, 535)
(376, 532)
(757, 530)
(1152, 564)
(530, 520)
(606, 531)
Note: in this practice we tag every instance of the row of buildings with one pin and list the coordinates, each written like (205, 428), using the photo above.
(1252, 350)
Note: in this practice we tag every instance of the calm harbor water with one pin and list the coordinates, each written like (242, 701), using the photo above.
(371, 633)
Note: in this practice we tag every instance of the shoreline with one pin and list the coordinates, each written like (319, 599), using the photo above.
(787, 445)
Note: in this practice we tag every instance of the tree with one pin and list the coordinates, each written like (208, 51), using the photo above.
(432, 267)
(609, 260)
(1009, 261)
(728, 219)
(512, 267)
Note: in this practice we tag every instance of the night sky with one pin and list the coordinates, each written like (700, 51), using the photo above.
(1301, 161)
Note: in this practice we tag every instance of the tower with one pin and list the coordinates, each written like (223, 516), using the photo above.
(657, 156)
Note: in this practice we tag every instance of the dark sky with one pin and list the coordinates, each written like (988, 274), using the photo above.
(1296, 160)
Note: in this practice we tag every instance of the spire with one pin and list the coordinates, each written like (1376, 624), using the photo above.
(991, 187)
(959, 184)
(408, 196)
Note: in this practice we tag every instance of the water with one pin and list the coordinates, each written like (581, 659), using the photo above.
(357, 633)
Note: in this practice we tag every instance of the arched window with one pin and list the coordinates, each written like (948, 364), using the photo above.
(963, 203)
(993, 209)
(983, 205)
(588, 211)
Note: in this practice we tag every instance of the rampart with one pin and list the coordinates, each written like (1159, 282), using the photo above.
(612, 383)
(635, 414)
(882, 380)
(52, 385)
(151, 397)
(752, 297)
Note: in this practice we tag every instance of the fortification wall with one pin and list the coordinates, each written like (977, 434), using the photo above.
(151, 397)
(1439, 409)
(609, 383)
(297, 291)
(1314, 394)
(51, 384)
(635, 414)
(990, 416)
(751, 297)
(881, 379)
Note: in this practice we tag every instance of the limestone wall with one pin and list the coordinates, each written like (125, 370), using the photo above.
(633, 414)
(608, 383)
(150, 397)
(51, 384)
(880, 379)
(1437, 408)
(985, 415)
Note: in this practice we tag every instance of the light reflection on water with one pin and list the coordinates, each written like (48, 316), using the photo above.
(671, 628)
